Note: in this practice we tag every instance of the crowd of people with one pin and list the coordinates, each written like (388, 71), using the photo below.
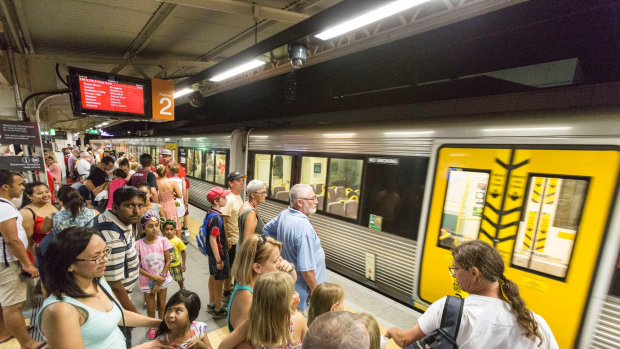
(122, 230)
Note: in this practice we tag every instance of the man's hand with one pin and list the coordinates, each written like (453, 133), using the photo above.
(220, 266)
(228, 245)
(32, 270)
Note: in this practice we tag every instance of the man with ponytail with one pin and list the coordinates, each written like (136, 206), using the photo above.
(494, 314)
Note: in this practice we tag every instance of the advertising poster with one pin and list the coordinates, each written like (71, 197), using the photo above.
(14, 135)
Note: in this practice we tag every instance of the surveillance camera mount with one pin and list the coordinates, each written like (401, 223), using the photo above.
(297, 54)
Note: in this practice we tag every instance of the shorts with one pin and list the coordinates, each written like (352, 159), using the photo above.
(232, 254)
(151, 285)
(12, 288)
(177, 273)
(219, 274)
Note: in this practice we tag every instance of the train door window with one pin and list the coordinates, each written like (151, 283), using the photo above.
(615, 281)
(191, 166)
(549, 224)
(344, 187)
(198, 159)
(281, 166)
(393, 193)
(463, 206)
(262, 166)
(220, 167)
(156, 155)
(210, 166)
(314, 173)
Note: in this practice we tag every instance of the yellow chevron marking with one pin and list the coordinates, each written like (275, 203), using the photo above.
(551, 187)
(527, 239)
(542, 234)
(537, 189)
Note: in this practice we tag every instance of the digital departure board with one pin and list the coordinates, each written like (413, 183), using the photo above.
(97, 93)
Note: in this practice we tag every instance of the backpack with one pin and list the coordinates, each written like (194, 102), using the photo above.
(202, 238)
(445, 336)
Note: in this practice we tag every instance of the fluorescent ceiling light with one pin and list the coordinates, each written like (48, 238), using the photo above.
(105, 123)
(238, 70)
(408, 133)
(183, 92)
(370, 17)
(526, 129)
(260, 136)
(339, 134)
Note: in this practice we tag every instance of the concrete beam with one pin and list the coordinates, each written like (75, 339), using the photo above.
(149, 30)
(245, 9)
(134, 62)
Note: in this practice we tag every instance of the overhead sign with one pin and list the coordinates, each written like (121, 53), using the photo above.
(19, 132)
(22, 163)
(163, 99)
(93, 132)
(384, 161)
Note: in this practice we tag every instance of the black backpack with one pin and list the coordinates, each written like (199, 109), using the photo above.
(445, 336)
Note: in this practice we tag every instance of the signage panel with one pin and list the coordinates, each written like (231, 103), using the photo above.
(19, 132)
(163, 99)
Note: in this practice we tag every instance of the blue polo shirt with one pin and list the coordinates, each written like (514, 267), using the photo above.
(301, 246)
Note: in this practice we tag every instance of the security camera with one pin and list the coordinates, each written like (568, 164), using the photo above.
(195, 99)
(297, 54)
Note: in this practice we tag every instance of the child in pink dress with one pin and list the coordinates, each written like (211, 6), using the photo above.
(154, 256)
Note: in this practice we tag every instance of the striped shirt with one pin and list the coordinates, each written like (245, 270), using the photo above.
(122, 250)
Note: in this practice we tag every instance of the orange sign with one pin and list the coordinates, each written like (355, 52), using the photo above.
(163, 99)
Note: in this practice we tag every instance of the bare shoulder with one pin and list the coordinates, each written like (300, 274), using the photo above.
(59, 311)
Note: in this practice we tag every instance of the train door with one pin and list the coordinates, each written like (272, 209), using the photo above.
(545, 210)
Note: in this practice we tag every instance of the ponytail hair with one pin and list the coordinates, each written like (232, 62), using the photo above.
(484, 257)
(71, 200)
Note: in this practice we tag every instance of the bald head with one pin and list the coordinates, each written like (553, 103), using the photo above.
(337, 330)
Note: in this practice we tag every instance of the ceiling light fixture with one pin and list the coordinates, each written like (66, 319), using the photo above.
(238, 70)
(413, 133)
(339, 134)
(183, 92)
(370, 17)
(527, 129)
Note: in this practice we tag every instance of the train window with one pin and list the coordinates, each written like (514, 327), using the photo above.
(262, 166)
(314, 173)
(156, 155)
(462, 210)
(281, 166)
(393, 192)
(191, 162)
(549, 224)
(220, 167)
(343, 187)
(198, 168)
(210, 166)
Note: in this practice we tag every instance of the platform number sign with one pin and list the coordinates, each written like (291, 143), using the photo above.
(163, 99)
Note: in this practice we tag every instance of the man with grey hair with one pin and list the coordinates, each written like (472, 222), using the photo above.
(300, 243)
(337, 330)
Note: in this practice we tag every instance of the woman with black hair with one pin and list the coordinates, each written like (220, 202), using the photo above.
(81, 311)
(73, 214)
(36, 205)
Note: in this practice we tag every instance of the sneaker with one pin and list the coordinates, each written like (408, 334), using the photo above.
(220, 314)
(150, 335)
(210, 308)
(186, 231)
(225, 301)
(184, 240)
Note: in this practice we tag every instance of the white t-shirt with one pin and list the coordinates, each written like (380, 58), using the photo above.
(7, 213)
(231, 210)
(487, 323)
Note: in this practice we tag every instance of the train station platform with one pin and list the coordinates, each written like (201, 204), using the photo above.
(358, 298)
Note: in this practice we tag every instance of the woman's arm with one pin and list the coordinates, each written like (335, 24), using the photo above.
(299, 321)
(404, 338)
(48, 223)
(250, 225)
(138, 320)
(236, 337)
(243, 301)
(162, 213)
(61, 322)
(185, 198)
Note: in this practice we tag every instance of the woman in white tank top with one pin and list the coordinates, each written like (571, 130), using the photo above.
(494, 314)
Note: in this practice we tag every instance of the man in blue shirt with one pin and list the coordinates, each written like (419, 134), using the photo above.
(300, 243)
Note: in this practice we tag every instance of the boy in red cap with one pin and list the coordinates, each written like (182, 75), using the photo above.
(219, 266)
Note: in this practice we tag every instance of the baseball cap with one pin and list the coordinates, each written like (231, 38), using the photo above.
(235, 175)
(215, 193)
(166, 152)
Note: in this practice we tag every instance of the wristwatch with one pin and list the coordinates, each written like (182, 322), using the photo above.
(216, 262)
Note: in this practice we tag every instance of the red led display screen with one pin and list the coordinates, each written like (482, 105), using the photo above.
(98, 93)
(111, 96)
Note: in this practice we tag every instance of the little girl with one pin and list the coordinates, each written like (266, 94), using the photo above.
(118, 181)
(179, 325)
(154, 257)
(325, 298)
(274, 322)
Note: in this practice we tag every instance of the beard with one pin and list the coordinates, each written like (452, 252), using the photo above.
(312, 210)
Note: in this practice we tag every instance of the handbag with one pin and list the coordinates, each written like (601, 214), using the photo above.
(445, 336)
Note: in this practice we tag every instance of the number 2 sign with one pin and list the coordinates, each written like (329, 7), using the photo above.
(163, 99)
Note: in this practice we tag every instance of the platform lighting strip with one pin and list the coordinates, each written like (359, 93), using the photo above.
(408, 133)
(526, 129)
(238, 70)
(183, 92)
(338, 134)
(370, 17)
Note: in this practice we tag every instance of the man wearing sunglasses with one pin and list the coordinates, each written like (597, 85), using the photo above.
(301, 245)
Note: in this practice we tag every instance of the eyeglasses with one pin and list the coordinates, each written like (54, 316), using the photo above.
(98, 260)
(263, 193)
(311, 199)
(453, 269)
